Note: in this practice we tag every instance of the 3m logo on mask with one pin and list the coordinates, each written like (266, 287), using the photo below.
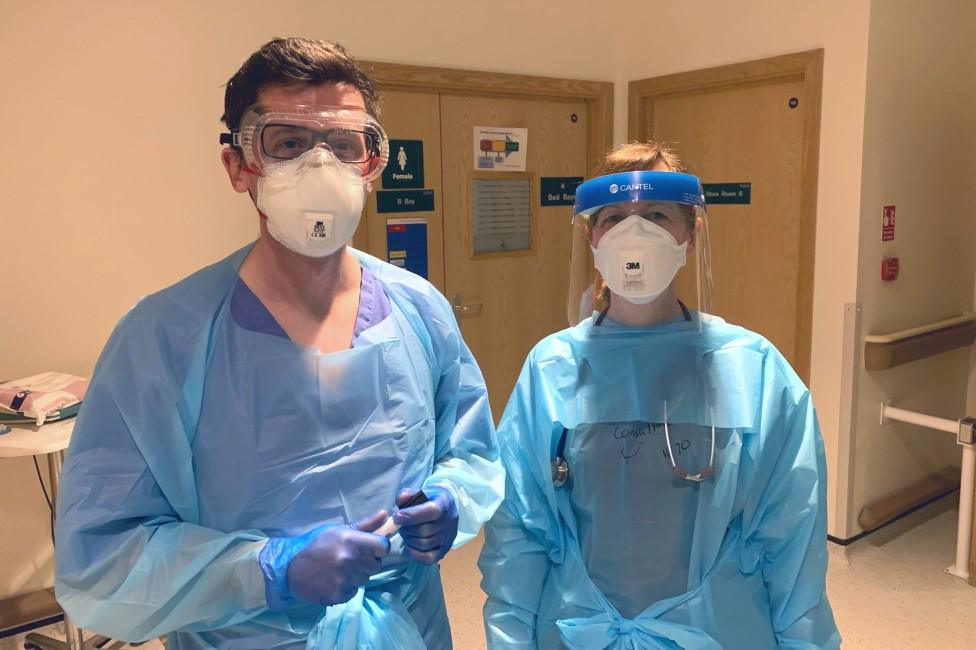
(633, 271)
(633, 266)
(318, 227)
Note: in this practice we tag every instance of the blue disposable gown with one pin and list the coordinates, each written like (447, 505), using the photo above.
(200, 439)
(625, 555)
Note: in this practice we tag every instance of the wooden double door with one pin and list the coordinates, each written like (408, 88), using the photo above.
(506, 299)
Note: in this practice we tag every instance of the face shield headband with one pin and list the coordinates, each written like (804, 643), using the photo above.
(631, 187)
(272, 135)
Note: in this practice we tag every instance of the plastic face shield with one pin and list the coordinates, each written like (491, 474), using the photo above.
(270, 135)
(672, 193)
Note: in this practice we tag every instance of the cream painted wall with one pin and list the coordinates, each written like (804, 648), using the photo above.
(701, 33)
(120, 184)
(116, 190)
(919, 138)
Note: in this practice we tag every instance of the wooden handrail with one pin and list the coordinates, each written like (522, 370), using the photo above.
(883, 351)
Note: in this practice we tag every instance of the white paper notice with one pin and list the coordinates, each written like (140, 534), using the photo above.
(499, 148)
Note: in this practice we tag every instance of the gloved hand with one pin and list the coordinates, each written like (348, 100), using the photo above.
(326, 565)
(428, 530)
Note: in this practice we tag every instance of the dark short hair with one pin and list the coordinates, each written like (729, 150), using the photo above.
(293, 61)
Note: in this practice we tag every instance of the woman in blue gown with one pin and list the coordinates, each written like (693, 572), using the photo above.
(665, 470)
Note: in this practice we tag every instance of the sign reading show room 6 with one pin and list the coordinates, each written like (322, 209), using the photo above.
(405, 169)
(729, 193)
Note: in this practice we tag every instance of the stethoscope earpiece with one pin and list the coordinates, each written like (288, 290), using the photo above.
(681, 472)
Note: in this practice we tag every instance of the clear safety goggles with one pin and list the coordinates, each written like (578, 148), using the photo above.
(271, 135)
(658, 196)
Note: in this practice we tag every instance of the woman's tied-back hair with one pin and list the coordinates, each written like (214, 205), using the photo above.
(293, 61)
(636, 157)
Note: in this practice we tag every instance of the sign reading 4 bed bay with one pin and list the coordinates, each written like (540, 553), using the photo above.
(731, 193)
(500, 149)
(559, 190)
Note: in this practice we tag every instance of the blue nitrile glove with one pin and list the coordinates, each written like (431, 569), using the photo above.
(428, 530)
(326, 565)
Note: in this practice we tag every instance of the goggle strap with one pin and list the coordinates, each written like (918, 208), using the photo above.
(233, 138)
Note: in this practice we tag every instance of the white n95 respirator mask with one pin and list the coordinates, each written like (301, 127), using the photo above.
(639, 259)
(313, 203)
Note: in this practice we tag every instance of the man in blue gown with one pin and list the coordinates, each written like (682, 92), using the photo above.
(250, 430)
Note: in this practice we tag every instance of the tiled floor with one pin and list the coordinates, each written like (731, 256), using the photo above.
(889, 591)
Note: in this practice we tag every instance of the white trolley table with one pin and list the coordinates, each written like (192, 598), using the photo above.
(50, 441)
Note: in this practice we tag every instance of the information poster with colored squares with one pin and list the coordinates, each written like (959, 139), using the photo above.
(500, 149)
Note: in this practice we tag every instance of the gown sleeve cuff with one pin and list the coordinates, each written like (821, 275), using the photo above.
(274, 558)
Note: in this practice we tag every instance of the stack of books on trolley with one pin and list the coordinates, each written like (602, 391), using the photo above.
(40, 400)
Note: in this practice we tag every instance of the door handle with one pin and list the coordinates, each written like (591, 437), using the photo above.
(471, 309)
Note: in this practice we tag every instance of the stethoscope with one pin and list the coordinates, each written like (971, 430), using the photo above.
(560, 468)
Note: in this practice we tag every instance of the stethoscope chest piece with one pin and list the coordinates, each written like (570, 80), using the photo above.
(560, 468)
(560, 471)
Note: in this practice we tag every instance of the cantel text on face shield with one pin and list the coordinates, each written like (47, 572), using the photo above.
(634, 187)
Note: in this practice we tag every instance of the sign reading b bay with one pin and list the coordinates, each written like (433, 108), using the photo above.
(405, 169)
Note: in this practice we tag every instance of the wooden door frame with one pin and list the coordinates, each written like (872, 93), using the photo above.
(598, 95)
(804, 66)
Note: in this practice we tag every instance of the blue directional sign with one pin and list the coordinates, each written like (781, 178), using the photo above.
(405, 201)
(559, 190)
(735, 193)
